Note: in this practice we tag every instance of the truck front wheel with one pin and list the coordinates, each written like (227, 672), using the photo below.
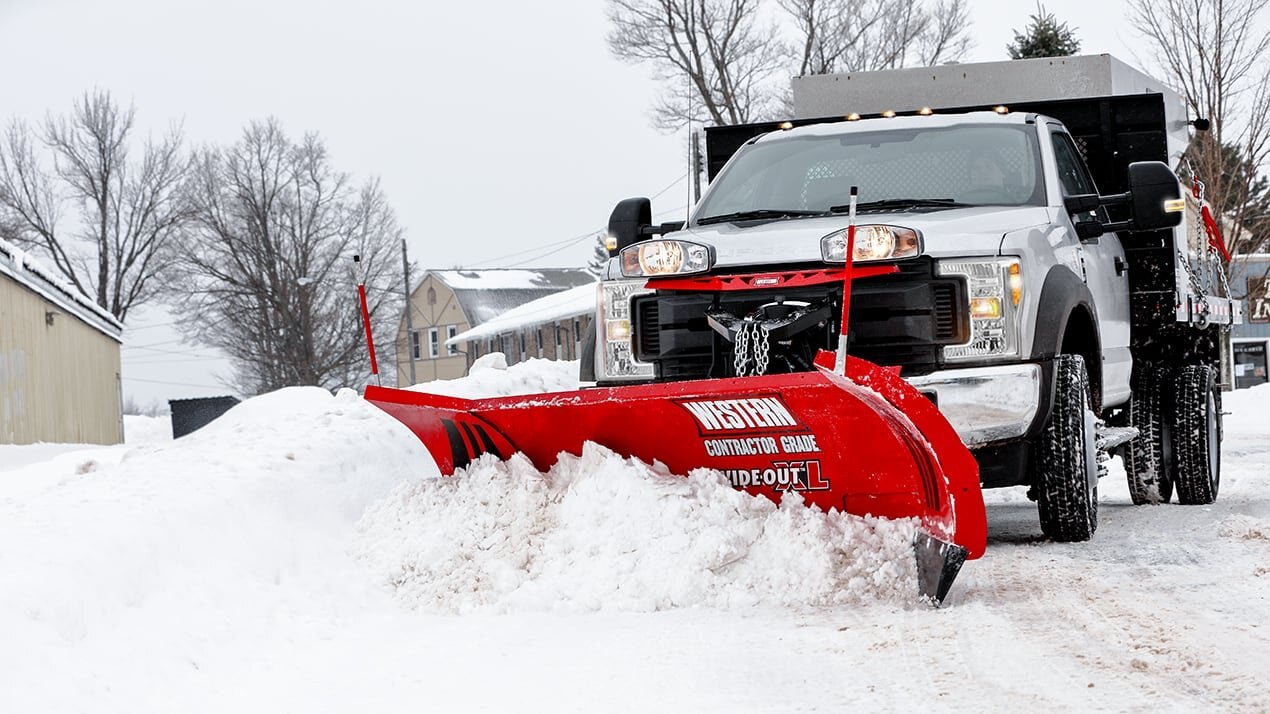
(1146, 458)
(1196, 434)
(1067, 463)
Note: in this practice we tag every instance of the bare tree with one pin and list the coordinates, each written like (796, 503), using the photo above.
(828, 31)
(1220, 62)
(715, 57)
(125, 212)
(722, 60)
(267, 273)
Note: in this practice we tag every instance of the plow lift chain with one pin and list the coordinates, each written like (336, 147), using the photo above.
(752, 336)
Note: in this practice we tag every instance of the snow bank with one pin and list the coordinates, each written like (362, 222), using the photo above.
(140, 430)
(491, 377)
(191, 545)
(1248, 410)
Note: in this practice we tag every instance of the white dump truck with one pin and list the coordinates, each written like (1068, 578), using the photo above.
(1034, 267)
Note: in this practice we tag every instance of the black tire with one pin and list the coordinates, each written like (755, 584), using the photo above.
(586, 360)
(1067, 491)
(1196, 435)
(1147, 458)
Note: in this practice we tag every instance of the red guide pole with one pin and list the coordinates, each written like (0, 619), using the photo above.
(361, 293)
(840, 360)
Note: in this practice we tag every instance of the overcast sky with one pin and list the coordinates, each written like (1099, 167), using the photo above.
(503, 131)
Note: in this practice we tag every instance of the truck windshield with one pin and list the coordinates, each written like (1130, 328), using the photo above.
(896, 169)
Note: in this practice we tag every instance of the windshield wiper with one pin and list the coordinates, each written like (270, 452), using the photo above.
(757, 214)
(900, 203)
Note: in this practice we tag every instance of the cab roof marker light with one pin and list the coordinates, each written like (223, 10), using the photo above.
(1001, 109)
(785, 125)
(889, 113)
(853, 117)
(925, 111)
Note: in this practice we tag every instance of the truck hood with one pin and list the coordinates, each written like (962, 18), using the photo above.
(950, 233)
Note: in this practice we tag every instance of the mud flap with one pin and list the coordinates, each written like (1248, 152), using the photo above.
(937, 566)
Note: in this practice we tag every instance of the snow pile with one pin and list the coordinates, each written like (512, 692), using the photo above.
(1246, 411)
(491, 377)
(599, 532)
(192, 545)
(140, 430)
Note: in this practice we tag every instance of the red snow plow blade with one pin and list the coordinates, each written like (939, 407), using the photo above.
(868, 444)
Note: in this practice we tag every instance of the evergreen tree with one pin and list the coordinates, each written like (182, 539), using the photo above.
(1044, 37)
(600, 257)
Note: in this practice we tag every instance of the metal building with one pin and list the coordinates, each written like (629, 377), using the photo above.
(59, 359)
(1250, 276)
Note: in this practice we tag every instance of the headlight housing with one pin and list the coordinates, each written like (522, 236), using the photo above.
(873, 241)
(653, 258)
(615, 354)
(995, 297)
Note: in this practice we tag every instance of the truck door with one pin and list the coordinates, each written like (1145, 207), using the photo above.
(1103, 267)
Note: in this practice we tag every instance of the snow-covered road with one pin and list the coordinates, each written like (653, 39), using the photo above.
(299, 556)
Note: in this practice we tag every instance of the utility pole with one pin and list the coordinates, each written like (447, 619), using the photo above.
(410, 325)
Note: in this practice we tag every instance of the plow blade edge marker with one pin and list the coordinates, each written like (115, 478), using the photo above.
(867, 443)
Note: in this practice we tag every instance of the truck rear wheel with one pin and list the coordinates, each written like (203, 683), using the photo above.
(1146, 458)
(1196, 434)
(1067, 463)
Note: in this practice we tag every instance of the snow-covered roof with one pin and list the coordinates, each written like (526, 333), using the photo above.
(557, 306)
(484, 294)
(511, 278)
(17, 264)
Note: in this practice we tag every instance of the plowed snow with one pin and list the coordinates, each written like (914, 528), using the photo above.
(302, 554)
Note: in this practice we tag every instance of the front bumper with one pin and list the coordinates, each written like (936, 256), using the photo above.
(986, 405)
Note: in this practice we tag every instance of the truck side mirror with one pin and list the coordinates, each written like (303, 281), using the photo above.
(1155, 196)
(1082, 203)
(629, 222)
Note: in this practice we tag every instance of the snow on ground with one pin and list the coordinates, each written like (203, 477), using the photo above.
(301, 554)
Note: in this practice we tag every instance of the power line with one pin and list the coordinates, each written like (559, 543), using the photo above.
(581, 238)
(672, 185)
(171, 352)
(161, 360)
(175, 384)
(567, 241)
(132, 328)
(153, 344)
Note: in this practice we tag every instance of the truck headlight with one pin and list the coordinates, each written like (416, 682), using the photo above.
(995, 293)
(872, 242)
(615, 356)
(664, 257)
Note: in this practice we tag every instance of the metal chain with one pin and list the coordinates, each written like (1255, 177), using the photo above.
(752, 347)
(741, 350)
(1201, 306)
(762, 348)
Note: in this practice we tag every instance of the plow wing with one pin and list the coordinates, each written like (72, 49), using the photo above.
(866, 444)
